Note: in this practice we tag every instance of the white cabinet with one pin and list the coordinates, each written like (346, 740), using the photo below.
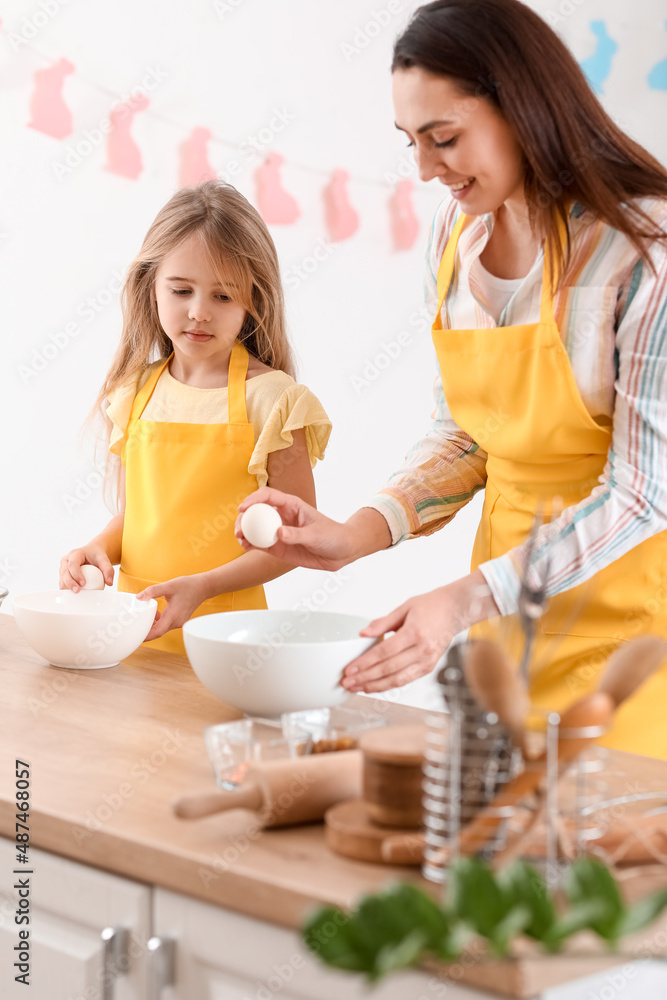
(218, 954)
(222, 955)
(70, 905)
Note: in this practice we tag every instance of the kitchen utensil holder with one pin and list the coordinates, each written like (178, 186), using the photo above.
(468, 759)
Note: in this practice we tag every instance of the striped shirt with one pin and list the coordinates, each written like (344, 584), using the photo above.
(612, 315)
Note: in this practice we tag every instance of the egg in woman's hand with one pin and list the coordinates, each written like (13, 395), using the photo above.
(260, 524)
(93, 576)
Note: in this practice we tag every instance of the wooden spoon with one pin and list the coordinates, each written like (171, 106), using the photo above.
(630, 665)
(497, 687)
(589, 713)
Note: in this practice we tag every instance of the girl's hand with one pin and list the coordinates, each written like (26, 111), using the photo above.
(183, 594)
(71, 577)
(423, 628)
(307, 537)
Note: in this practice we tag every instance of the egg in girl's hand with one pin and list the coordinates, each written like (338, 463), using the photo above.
(260, 524)
(94, 577)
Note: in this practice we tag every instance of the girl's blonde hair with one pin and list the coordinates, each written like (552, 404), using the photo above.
(240, 251)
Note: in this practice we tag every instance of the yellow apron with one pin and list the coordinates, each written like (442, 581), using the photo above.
(512, 389)
(183, 485)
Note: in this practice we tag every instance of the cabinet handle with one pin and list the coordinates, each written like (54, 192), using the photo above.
(161, 965)
(115, 945)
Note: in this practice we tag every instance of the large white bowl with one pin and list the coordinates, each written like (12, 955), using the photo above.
(269, 662)
(94, 628)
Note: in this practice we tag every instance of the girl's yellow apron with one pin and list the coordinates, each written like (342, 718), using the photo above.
(183, 485)
(512, 389)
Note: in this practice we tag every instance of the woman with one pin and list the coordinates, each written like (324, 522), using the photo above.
(548, 284)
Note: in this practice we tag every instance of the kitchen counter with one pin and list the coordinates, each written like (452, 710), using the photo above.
(109, 750)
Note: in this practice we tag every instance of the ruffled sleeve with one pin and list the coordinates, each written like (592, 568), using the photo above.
(119, 407)
(296, 407)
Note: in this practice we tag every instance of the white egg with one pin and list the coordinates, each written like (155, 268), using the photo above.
(94, 577)
(260, 524)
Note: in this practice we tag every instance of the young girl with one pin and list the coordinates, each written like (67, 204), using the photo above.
(202, 409)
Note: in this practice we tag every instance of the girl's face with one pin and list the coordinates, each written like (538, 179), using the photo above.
(198, 314)
(463, 141)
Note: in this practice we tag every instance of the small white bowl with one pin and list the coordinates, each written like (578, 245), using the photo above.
(88, 630)
(266, 663)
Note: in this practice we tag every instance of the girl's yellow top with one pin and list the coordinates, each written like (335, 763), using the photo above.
(191, 456)
(276, 405)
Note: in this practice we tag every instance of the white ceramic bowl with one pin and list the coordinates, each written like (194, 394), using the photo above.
(269, 662)
(94, 628)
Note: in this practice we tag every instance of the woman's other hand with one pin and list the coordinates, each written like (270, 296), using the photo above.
(423, 627)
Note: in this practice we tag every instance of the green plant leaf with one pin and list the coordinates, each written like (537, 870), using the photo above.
(512, 924)
(403, 955)
(394, 913)
(580, 917)
(643, 913)
(589, 881)
(330, 934)
(474, 896)
(388, 931)
(393, 929)
(525, 884)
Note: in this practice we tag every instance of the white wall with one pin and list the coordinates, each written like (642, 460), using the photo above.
(227, 66)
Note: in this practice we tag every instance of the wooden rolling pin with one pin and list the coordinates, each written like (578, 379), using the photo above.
(284, 792)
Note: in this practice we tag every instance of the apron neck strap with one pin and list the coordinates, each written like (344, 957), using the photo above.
(446, 270)
(142, 397)
(238, 369)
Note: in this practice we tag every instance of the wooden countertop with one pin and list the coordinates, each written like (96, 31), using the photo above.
(110, 749)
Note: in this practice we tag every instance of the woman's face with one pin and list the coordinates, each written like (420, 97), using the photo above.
(464, 141)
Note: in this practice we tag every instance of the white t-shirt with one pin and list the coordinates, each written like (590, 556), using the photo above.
(497, 291)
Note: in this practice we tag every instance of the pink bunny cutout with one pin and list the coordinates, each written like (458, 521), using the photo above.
(194, 165)
(276, 206)
(123, 154)
(48, 112)
(403, 220)
(341, 218)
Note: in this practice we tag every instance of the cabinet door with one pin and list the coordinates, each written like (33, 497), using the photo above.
(220, 955)
(70, 905)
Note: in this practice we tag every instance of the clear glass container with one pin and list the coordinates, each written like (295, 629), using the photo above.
(331, 729)
(233, 747)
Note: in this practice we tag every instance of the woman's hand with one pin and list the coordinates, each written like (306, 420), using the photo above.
(71, 577)
(423, 628)
(308, 538)
(183, 594)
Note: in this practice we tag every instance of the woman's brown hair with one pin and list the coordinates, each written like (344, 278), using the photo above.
(502, 50)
